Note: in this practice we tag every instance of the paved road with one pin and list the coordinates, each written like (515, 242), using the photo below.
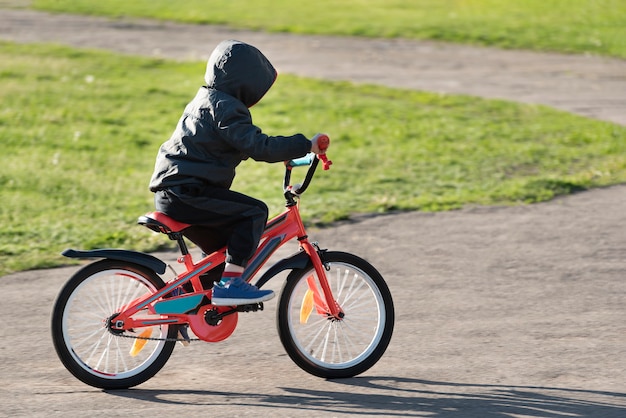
(589, 86)
(500, 311)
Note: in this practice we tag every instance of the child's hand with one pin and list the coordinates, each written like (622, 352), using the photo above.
(320, 143)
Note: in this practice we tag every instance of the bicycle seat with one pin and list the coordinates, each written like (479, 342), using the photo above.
(160, 222)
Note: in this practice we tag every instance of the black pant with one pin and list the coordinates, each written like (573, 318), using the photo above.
(219, 217)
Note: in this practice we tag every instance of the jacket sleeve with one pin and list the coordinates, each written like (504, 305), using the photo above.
(235, 127)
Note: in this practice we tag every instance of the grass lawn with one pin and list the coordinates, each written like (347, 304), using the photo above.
(572, 26)
(80, 130)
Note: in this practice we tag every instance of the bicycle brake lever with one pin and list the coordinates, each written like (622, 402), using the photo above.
(327, 163)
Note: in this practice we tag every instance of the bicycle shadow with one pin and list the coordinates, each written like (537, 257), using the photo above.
(410, 397)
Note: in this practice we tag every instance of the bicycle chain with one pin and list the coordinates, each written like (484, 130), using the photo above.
(137, 337)
(133, 337)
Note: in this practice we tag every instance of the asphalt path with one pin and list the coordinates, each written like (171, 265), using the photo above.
(585, 85)
(501, 311)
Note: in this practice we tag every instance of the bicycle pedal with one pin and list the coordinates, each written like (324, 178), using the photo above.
(251, 307)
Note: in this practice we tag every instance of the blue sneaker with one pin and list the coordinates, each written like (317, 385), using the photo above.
(238, 292)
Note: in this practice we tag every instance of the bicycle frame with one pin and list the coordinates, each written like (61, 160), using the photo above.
(173, 309)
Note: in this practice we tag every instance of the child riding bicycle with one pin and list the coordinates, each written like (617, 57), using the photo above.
(195, 168)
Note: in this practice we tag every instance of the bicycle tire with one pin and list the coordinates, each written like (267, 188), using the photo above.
(81, 338)
(331, 348)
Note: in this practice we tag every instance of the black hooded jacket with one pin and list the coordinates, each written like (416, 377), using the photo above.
(215, 132)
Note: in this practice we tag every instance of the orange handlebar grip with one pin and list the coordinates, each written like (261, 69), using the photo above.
(322, 142)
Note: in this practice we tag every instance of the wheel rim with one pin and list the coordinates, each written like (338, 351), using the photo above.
(339, 344)
(86, 334)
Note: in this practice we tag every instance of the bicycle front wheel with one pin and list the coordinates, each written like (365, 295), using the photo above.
(81, 335)
(336, 348)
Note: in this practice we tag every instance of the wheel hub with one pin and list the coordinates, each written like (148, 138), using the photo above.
(114, 327)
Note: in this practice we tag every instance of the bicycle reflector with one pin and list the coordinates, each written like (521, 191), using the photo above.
(139, 343)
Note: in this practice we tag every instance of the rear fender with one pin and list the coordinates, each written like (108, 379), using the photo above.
(143, 259)
(297, 261)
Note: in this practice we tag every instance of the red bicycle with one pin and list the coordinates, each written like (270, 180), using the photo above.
(115, 322)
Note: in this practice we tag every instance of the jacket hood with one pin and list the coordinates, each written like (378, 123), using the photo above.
(240, 70)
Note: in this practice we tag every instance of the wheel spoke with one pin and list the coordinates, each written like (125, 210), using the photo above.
(362, 305)
(352, 291)
(324, 344)
(94, 352)
(316, 335)
(120, 358)
(350, 348)
(341, 282)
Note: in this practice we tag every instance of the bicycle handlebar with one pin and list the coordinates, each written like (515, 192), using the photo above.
(323, 141)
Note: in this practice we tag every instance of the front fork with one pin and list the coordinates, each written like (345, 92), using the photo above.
(317, 258)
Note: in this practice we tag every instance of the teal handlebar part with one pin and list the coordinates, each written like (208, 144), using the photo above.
(302, 161)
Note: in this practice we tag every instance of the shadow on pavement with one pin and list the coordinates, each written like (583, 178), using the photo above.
(390, 396)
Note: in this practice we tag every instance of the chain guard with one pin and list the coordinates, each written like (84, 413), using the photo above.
(213, 333)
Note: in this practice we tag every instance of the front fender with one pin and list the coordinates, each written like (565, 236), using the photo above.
(297, 261)
(142, 259)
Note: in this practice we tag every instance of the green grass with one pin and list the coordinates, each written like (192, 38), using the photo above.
(80, 130)
(571, 26)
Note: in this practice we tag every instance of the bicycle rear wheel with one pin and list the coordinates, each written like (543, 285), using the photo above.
(81, 336)
(336, 348)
